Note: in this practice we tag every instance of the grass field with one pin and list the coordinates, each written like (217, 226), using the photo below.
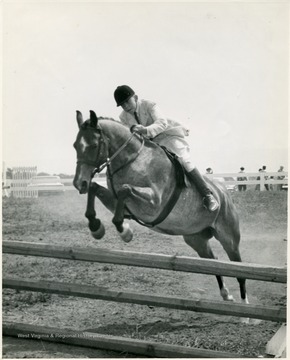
(60, 220)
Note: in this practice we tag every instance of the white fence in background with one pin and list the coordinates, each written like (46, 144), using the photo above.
(21, 177)
(259, 179)
(262, 180)
(17, 187)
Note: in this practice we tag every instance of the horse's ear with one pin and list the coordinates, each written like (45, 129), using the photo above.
(93, 118)
(79, 118)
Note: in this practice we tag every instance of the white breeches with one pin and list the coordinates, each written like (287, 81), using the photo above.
(178, 146)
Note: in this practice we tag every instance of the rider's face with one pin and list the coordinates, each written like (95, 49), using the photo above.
(130, 105)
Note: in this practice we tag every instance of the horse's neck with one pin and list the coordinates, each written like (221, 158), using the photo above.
(118, 134)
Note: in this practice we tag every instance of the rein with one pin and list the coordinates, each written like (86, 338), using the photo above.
(110, 159)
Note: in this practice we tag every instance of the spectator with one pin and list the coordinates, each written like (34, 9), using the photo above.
(242, 187)
(209, 171)
(258, 178)
(265, 177)
(279, 186)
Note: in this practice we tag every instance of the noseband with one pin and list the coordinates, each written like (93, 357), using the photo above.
(105, 144)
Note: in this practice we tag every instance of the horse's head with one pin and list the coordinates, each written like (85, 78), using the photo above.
(91, 150)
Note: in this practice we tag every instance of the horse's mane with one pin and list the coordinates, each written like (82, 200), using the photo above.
(106, 118)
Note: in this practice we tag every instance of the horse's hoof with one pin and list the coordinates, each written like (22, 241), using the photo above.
(98, 234)
(226, 296)
(127, 233)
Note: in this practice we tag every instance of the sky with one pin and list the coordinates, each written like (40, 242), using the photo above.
(219, 68)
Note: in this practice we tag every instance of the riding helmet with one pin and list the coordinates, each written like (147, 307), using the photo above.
(122, 94)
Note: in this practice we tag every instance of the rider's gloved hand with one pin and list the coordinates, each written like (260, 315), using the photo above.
(139, 129)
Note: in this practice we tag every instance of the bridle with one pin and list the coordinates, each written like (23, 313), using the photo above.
(104, 148)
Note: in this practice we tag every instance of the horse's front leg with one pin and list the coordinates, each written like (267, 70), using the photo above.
(95, 225)
(145, 197)
(118, 219)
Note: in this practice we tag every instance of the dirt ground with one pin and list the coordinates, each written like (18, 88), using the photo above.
(60, 220)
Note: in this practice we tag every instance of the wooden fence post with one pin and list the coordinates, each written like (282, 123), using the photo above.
(262, 182)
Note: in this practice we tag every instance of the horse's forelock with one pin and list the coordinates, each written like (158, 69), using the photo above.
(87, 124)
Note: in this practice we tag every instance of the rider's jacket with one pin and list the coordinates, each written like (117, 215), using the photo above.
(156, 123)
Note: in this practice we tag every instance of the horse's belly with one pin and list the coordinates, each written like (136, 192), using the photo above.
(188, 216)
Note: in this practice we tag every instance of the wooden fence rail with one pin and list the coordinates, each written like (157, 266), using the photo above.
(160, 261)
(113, 343)
(101, 293)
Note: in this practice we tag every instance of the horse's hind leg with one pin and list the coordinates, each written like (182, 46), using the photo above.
(200, 243)
(230, 240)
(229, 237)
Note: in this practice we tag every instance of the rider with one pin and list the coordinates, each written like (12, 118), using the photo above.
(144, 117)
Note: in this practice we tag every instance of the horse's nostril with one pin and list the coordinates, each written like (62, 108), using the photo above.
(84, 185)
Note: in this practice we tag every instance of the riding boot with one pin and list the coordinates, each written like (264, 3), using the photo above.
(208, 199)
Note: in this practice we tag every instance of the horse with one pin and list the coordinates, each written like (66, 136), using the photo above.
(143, 185)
